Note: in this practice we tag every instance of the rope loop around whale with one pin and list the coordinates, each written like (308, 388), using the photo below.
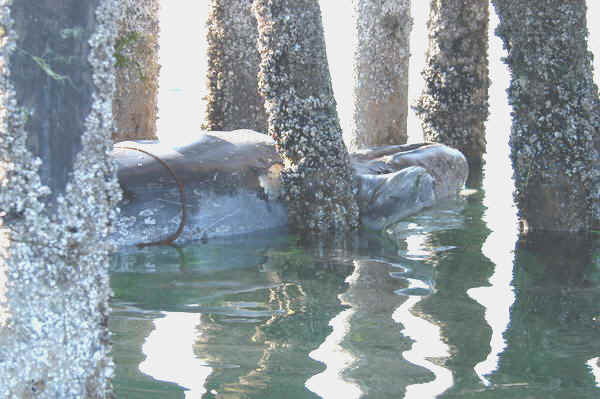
(171, 238)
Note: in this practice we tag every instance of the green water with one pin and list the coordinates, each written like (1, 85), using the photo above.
(452, 304)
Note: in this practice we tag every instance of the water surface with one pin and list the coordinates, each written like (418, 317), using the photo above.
(443, 306)
(451, 303)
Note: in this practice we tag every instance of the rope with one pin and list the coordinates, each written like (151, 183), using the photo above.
(169, 240)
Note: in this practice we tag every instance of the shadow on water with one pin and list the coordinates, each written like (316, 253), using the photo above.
(442, 305)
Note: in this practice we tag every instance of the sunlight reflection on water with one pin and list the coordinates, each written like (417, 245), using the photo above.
(330, 383)
(500, 217)
(594, 364)
(170, 356)
(428, 343)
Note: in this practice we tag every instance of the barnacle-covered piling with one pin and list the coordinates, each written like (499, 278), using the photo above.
(135, 106)
(381, 55)
(233, 99)
(555, 136)
(454, 105)
(58, 196)
(294, 78)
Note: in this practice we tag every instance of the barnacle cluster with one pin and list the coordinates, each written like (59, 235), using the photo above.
(54, 338)
(381, 55)
(233, 100)
(135, 106)
(454, 105)
(555, 137)
(317, 180)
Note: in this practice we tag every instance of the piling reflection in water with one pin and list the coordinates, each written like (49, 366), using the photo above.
(554, 329)
(266, 318)
(371, 335)
(330, 382)
(460, 269)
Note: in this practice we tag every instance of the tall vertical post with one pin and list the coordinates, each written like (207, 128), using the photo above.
(58, 196)
(135, 106)
(381, 56)
(233, 99)
(454, 105)
(294, 78)
(555, 136)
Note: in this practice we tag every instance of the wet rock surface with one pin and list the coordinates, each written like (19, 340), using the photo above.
(232, 185)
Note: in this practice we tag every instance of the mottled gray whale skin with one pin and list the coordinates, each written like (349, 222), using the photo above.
(231, 182)
(400, 180)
